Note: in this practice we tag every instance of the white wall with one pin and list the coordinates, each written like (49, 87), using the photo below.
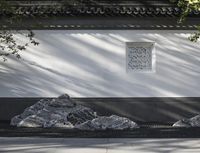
(92, 64)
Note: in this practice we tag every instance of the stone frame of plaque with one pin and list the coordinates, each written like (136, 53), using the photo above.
(140, 57)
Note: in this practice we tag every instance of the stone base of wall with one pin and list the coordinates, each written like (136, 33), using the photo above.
(154, 109)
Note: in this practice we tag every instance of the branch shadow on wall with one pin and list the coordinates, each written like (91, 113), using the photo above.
(92, 64)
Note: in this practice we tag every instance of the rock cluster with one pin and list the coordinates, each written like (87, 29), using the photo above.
(63, 112)
(191, 122)
(110, 122)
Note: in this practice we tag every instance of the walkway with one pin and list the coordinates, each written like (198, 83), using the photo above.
(102, 145)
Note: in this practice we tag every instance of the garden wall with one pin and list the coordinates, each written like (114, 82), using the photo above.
(92, 63)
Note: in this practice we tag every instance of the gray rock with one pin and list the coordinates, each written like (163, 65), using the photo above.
(64, 96)
(58, 112)
(63, 124)
(31, 121)
(15, 120)
(103, 123)
(61, 103)
(195, 121)
(28, 112)
(63, 112)
(80, 114)
(192, 122)
(182, 123)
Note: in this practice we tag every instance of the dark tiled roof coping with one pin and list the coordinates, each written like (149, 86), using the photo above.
(96, 8)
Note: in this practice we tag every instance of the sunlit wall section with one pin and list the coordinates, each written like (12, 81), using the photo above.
(92, 63)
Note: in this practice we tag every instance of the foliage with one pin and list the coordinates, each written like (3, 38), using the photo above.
(187, 7)
(9, 43)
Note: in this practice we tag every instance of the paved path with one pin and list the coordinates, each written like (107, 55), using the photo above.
(75, 145)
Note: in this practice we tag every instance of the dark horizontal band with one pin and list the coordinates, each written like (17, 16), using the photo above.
(96, 14)
(149, 109)
(115, 23)
(95, 8)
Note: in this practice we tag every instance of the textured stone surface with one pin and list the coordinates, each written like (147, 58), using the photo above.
(15, 120)
(63, 112)
(192, 122)
(182, 123)
(104, 122)
(58, 112)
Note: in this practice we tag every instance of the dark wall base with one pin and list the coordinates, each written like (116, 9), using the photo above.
(156, 109)
(135, 133)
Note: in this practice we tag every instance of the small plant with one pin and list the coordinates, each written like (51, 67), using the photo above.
(187, 7)
(9, 43)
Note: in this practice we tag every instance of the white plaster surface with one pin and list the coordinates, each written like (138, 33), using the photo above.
(107, 145)
(89, 63)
